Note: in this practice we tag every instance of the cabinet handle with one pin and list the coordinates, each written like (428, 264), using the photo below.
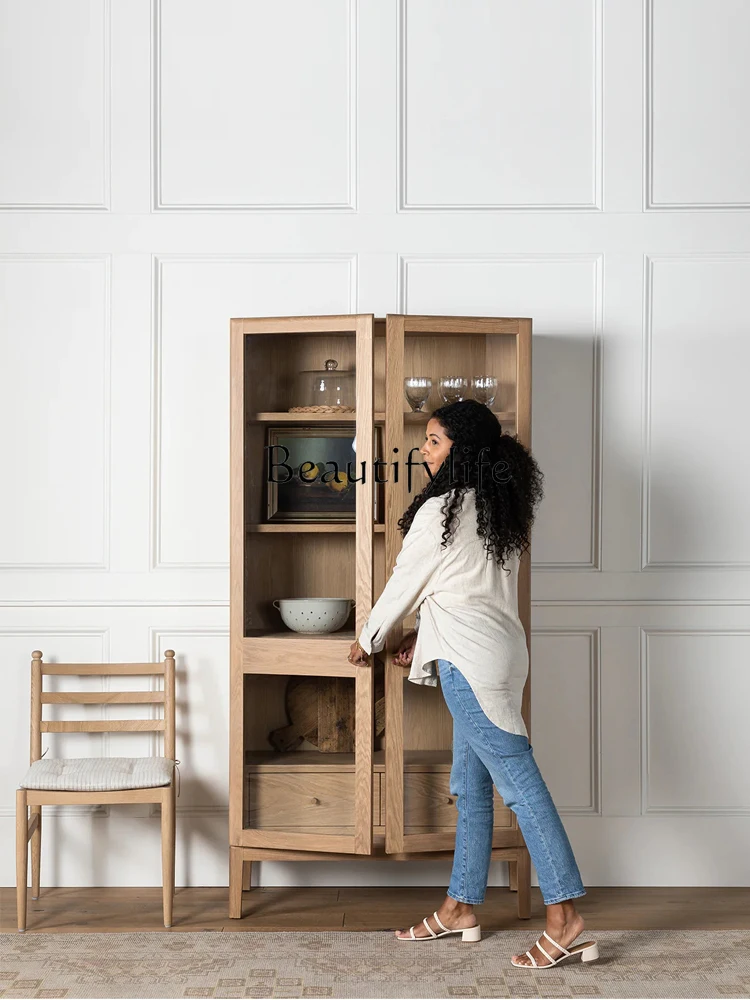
(450, 801)
(314, 801)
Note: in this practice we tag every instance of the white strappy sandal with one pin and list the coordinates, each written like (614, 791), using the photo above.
(588, 951)
(467, 933)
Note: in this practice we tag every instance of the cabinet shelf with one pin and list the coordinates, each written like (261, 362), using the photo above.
(318, 762)
(282, 417)
(292, 528)
(344, 634)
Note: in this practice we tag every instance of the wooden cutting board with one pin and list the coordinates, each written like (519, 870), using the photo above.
(321, 711)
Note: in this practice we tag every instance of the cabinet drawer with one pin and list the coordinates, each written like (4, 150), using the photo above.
(429, 805)
(303, 800)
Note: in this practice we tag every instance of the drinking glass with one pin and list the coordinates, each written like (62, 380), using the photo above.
(453, 388)
(484, 389)
(417, 389)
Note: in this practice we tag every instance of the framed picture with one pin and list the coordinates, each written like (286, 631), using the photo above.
(316, 490)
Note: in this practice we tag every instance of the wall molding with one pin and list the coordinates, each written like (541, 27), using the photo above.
(156, 562)
(156, 742)
(595, 719)
(639, 603)
(594, 563)
(595, 205)
(649, 260)
(106, 259)
(94, 206)
(646, 809)
(649, 203)
(158, 204)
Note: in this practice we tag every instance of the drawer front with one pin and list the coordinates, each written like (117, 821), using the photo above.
(303, 800)
(429, 805)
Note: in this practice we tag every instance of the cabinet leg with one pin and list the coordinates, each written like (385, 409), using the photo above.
(523, 883)
(513, 876)
(247, 875)
(235, 883)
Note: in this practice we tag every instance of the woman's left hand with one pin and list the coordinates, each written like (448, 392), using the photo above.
(357, 656)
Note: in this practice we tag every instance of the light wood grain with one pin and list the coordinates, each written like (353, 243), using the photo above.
(87, 669)
(106, 726)
(268, 561)
(409, 417)
(29, 827)
(394, 507)
(103, 697)
(289, 560)
(364, 687)
(238, 516)
(310, 801)
(312, 760)
(297, 324)
(128, 909)
(313, 529)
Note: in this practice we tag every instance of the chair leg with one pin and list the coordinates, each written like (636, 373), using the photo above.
(22, 856)
(167, 851)
(36, 851)
(523, 868)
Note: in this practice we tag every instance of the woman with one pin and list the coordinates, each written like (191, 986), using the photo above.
(463, 572)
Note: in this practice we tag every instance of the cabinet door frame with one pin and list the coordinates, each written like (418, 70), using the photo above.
(248, 655)
(397, 840)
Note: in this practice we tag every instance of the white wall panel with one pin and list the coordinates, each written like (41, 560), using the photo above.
(54, 394)
(495, 112)
(54, 104)
(565, 698)
(202, 713)
(697, 104)
(255, 104)
(563, 295)
(695, 689)
(194, 299)
(696, 412)
(583, 163)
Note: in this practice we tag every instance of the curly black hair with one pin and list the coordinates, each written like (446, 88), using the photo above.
(508, 486)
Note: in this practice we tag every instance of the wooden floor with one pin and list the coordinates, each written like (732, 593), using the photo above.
(364, 908)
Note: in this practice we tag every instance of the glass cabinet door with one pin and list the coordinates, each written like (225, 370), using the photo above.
(301, 717)
(417, 801)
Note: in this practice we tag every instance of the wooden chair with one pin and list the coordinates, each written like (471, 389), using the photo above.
(100, 780)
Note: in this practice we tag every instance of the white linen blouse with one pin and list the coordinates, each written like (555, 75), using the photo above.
(467, 608)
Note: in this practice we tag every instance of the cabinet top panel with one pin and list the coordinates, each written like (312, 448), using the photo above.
(350, 323)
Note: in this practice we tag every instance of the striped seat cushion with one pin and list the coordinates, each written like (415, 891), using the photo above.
(98, 774)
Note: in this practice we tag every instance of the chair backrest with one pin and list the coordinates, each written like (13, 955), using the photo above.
(41, 697)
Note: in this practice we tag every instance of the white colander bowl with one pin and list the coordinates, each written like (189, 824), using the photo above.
(314, 614)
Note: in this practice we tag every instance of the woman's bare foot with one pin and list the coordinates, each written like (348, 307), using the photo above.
(564, 924)
(455, 916)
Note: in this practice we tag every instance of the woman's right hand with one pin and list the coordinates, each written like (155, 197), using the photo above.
(405, 651)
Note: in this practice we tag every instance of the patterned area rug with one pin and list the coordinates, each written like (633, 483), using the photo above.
(705, 964)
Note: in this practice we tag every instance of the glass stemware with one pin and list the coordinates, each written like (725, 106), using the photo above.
(484, 389)
(453, 388)
(417, 389)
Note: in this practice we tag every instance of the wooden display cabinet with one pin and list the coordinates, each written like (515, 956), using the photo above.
(389, 796)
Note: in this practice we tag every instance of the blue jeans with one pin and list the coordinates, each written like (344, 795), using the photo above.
(483, 755)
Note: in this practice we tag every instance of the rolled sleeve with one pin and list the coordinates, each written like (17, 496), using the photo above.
(413, 578)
